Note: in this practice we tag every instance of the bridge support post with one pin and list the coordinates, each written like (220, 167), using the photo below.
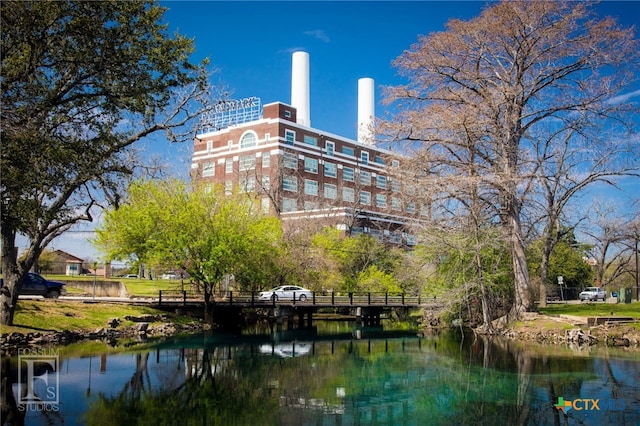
(278, 315)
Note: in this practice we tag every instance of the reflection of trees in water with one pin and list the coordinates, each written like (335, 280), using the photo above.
(487, 380)
(10, 413)
(212, 390)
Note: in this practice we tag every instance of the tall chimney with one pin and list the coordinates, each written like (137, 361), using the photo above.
(366, 111)
(300, 86)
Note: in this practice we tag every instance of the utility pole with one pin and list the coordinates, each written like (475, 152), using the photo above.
(637, 273)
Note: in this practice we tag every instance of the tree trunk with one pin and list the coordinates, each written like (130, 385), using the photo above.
(544, 276)
(11, 277)
(522, 284)
(486, 311)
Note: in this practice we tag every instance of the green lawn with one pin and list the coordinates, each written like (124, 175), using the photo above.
(59, 315)
(135, 286)
(594, 309)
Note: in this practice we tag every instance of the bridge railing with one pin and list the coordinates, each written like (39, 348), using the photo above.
(317, 299)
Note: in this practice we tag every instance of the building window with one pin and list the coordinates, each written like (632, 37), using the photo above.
(287, 113)
(311, 165)
(289, 137)
(209, 146)
(381, 201)
(289, 205)
(266, 159)
(365, 178)
(290, 183)
(379, 160)
(247, 162)
(310, 140)
(411, 208)
(310, 187)
(395, 185)
(248, 184)
(365, 198)
(347, 174)
(395, 163)
(228, 165)
(248, 140)
(291, 160)
(330, 170)
(266, 183)
(310, 205)
(208, 169)
(395, 204)
(381, 182)
(348, 151)
(348, 194)
(330, 148)
(364, 157)
(265, 205)
(330, 191)
(395, 237)
(228, 187)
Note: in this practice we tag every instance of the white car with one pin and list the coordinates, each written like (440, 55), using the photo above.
(286, 292)
(593, 293)
(286, 350)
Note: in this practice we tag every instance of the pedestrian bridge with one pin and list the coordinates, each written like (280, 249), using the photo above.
(318, 299)
(231, 306)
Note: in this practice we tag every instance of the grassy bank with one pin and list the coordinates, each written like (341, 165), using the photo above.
(59, 315)
(631, 310)
(46, 315)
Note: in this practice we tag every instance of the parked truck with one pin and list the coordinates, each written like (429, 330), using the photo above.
(36, 285)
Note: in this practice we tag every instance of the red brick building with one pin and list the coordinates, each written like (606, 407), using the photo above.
(301, 172)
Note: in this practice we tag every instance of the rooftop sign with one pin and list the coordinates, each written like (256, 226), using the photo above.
(230, 112)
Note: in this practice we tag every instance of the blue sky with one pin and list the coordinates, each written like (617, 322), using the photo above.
(251, 43)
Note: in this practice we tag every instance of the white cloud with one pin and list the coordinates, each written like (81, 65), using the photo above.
(318, 34)
(624, 97)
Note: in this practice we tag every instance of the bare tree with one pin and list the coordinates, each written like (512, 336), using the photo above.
(568, 160)
(609, 234)
(507, 77)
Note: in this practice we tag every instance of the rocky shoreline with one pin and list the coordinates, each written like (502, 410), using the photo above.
(145, 327)
(533, 328)
(572, 330)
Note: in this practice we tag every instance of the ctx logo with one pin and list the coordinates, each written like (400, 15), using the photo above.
(577, 404)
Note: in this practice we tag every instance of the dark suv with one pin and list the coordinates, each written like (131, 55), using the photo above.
(36, 285)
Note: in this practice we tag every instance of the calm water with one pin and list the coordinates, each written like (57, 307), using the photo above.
(336, 374)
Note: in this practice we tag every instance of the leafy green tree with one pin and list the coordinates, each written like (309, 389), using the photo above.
(468, 267)
(82, 81)
(203, 231)
(567, 259)
(356, 263)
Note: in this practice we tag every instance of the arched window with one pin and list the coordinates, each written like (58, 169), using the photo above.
(248, 140)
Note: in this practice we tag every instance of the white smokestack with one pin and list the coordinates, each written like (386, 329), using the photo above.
(300, 86)
(366, 111)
